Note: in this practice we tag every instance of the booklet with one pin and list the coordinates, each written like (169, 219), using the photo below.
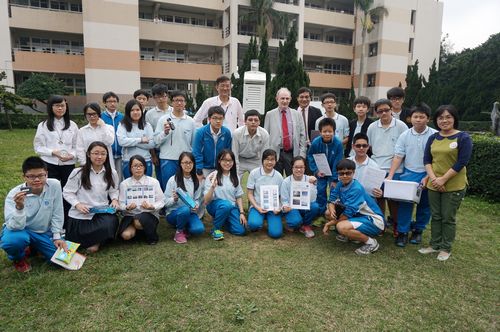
(66, 256)
(76, 259)
(184, 196)
(300, 195)
(269, 197)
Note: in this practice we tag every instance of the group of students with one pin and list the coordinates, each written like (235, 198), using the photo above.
(118, 152)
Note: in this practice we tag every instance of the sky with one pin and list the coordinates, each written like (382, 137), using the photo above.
(470, 23)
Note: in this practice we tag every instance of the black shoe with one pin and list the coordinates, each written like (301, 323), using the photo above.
(402, 239)
(416, 237)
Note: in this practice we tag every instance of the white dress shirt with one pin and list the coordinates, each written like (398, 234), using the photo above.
(234, 117)
(88, 134)
(62, 140)
(143, 181)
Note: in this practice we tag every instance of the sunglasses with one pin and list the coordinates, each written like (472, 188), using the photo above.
(347, 173)
(361, 146)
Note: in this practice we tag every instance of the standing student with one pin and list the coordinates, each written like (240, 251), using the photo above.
(209, 141)
(264, 175)
(286, 132)
(135, 136)
(308, 112)
(361, 218)
(172, 142)
(142, 96)
(161, 98)
(383, 135)
(223, 197)
(360, 124)
(300, 219)
(397, 97)
(360, 146)
(95, 130)
(233, 112)
(329, 101)
(409, 151)
(112, 117)
(329, 145)
(446, 154)
(91, 186)
(141, 217)
(249, 142)
(55, 140)
(33, 216)
(184, 218)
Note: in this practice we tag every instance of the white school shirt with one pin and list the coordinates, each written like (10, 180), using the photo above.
(180, 139)
(233, 118)
(249, 148)
(74, 193)
(47, 141)
(154, 114)
(143, 181)
(383, 141)
(286, 188)
(130, 141)
(258, 177)
(361, 167)
(226, 191)
(341, 125)
(88, 134)
(411, 145)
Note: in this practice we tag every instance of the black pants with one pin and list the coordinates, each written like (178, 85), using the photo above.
(285, 162)
(61, 172)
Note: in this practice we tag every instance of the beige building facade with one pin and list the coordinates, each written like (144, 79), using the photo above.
(123, 45)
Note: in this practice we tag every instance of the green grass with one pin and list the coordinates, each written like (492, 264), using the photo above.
(255, 283)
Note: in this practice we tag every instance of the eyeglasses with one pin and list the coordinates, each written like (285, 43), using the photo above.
(396, 98)
(329, 102)
(361, 146)
(61, 105)
(138, 166)
(91, 115)
(34, 177)
(227, 160)
(252, 120)
(179, 101)
(384, 110)
(216, 118)
(298, 167)
(111, 101)
(187, 163)
(99, 154)
(347, 173)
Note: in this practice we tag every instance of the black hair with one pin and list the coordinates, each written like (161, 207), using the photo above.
(221, 79)
(159, 89)
(362, 100)
(304, 89)
(382, 101)
(232, 172)
(140, 159)
(395, 92)
(421, 108)
(328, 95)
(299, 158)
(360, 136)
(56, 99)
(346, 164)
(453, 112)
(269, 153)
(179, 174)
(143, 92)
(215, 110)
(86, 169)
(251, 113)
(108, 95)
(327, 122)
(127, 120)
(177, 93)
(93, 106)
(33, 163)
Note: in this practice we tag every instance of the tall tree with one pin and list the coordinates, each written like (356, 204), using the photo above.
(264, 64)
(413, 86)
(431, 89)
(265, 18)
(9, 100)
(40, 87)
(201, 94)
(367, 15)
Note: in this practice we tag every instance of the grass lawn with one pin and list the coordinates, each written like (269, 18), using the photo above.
(255, 283)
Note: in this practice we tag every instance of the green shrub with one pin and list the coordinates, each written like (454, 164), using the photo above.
(475, 126)
(26, 121)
(483, 170)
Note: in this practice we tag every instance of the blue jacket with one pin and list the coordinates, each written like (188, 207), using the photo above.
(204, 148)
(334, 153)
(117, 149)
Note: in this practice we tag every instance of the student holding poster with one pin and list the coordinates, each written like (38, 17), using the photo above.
(299, 202)
(141, 199)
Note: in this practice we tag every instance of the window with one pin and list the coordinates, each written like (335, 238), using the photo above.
(372, 49)
(76, 7)
(370, 81)
(412, 17)
(410, 45)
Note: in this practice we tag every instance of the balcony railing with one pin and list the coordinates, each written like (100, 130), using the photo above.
(160, 21)
(327, 71)
(330, 9)
(55, 50)
(70, 9)
(151, 57)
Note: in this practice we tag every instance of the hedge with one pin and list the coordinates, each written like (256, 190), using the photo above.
(483, 170)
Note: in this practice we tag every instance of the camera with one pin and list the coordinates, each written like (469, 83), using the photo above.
(172, 126)
(27, 190)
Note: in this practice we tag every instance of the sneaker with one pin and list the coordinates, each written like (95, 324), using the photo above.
(342, 238)
(180, 237)
(217, 235)
(428, 250)
(416, 237)
(443, 255)
(307, 231)
(22, 265)
(367, 249)
(402, 240)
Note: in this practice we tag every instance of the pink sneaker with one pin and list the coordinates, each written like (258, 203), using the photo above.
(180, 237)
(307, 231)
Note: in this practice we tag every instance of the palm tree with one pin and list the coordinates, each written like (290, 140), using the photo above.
(266, 18)
(367, 26)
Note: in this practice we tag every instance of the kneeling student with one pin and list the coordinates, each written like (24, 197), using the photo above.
(360, 219)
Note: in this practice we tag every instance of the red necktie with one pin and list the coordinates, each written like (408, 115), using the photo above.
(286, 137)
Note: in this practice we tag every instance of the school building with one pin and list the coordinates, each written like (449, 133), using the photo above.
(121, 45)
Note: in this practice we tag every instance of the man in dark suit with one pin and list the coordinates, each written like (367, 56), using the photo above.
(397, 97)
(308, 113)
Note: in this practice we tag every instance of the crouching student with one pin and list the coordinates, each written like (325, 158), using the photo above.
(265, 175)
(359, 218)
(141, 217)
(92, 186)
(223, 197)
(184, 218)
(33, 216)
(300, 219)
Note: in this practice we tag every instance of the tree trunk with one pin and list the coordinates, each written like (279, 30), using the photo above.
(361, 61)
(7, 118)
